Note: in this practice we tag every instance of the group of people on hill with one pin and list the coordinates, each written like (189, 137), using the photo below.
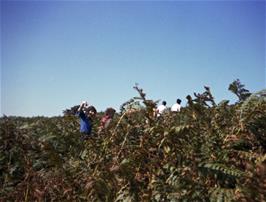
(162, 108)
(86, 113)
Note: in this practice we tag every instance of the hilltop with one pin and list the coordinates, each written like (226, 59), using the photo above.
(206, 152)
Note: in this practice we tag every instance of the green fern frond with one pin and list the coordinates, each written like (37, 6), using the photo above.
(123, 194)
(173, 178)
(222, 169)
(260, 95)
(179, 129)
(246, 155)
(261, 159)
(256, 99)
(219, 194)
(242, 144)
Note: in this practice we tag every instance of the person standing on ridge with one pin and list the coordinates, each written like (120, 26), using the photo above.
(107, 118)
(86, 114)
(161, 108)
(176, 107)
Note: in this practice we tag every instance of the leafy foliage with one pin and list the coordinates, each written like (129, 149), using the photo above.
(238, 89)
(206, 152)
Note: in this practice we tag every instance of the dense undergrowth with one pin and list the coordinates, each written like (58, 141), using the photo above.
(207, 152)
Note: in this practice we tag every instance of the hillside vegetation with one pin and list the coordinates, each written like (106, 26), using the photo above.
(207, 152)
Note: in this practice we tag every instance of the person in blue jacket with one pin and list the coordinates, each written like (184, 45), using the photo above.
(86, 114)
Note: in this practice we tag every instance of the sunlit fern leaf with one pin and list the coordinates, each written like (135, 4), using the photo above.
(179, 129)
(261, 159)
(158, 189)
(173, 196)
(219, 194)
(124, 195)
(256, 100)
(246, 155)
(260, 95)
(173, 178)
(221, 168)
(223, 175)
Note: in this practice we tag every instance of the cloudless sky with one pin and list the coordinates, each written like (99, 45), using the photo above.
(54, 54)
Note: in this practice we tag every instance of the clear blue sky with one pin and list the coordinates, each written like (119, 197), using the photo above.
(55, 54)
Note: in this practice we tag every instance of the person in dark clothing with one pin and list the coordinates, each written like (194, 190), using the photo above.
(86, 113)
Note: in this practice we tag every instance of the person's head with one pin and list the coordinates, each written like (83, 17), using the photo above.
(110, 112)
(164, 103)
(90, 111)
(178, 101)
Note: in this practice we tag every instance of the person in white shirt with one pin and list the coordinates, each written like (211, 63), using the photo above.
(176, 107)
(161, 108)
